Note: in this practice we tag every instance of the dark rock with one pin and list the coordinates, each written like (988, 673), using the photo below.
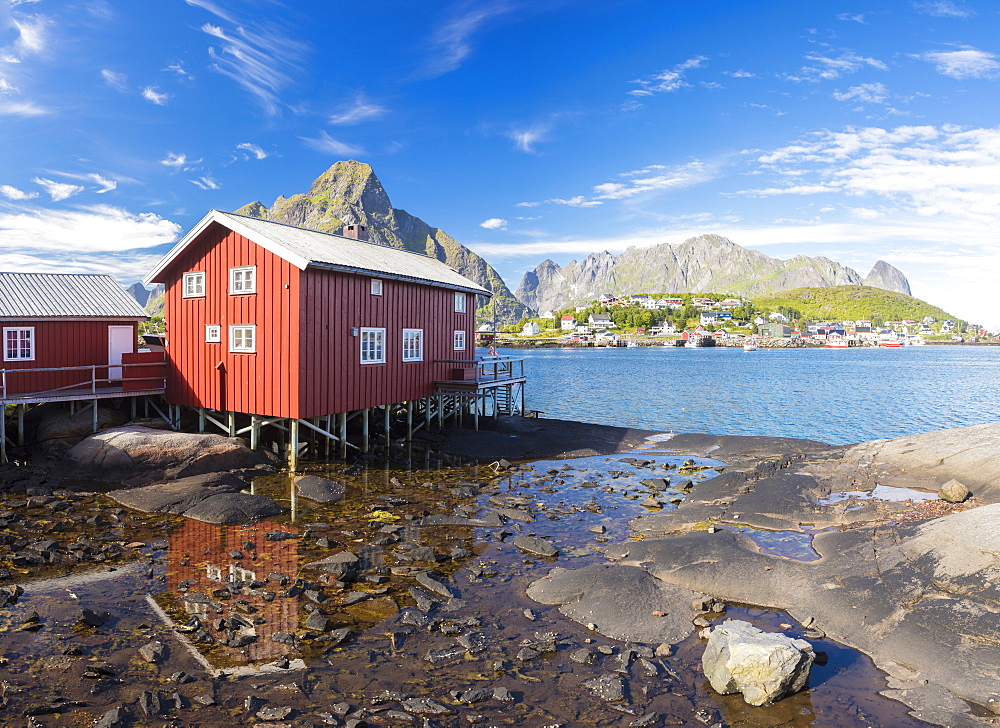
(317, 622)
(583, 656)
(432, 584)
(535, 546)
(149, 702)
(321, 490)
(153, 651)
(608, 687)
(117, 717)
(343, 565)
(91, 618)
(474, 642)
(424, 706)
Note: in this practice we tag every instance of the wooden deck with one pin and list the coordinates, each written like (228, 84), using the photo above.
(499, 380)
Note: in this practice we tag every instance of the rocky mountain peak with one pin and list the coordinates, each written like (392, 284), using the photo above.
(887, 277)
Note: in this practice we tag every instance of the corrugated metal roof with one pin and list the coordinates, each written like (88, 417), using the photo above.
(65, 295)
(304, 248)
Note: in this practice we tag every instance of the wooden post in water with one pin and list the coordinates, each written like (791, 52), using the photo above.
(231, 424)
(364, 429)
(20, 424)
(409, 420)
(95, 416)
(387, 424)
(293, 445)
(201, 419)
(343, 434)
(254, 432)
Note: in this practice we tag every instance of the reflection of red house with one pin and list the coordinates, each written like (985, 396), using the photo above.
(200, 554)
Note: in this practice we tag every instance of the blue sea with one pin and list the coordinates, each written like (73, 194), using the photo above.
(835, 396)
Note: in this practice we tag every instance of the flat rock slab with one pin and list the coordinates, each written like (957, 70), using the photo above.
(624, 602)
(212, 498)
(535, 546)
(321, 490)
(136, 451)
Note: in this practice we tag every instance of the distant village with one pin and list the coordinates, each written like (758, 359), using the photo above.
(618, 320)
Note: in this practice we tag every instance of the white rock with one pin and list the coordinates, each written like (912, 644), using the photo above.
(765, 667)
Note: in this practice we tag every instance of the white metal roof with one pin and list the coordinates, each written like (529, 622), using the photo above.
(65, 295)
(304, 248)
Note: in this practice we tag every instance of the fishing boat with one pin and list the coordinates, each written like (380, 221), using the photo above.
(891, 343)
(749, 346)
(836, 342)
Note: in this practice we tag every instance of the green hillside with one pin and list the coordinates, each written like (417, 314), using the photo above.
(841, 303)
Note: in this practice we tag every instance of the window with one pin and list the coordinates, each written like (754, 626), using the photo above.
(413, 344)
(213, 333)
(243, 279)
(194, 284)
(19, 344)
(243, 339)
(373, 346)
(459, 303)
(459, 341)
(376, 286)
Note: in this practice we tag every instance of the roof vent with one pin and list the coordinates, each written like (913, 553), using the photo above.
(357, 232)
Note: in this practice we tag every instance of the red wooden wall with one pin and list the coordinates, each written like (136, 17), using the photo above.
(204, 374)
(333, 378)
(307, 362)
(62, 344)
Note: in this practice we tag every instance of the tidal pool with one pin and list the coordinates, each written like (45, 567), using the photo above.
(409, 653)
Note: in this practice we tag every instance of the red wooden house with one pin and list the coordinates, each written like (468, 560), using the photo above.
(278, 321)
(78, 327)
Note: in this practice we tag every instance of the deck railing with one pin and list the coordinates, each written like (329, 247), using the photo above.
(487, 369)
(141, 372)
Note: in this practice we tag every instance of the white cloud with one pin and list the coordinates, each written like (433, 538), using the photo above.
(57, 190)
(670, 79)
(855, 17)
(494, 223)
(151, 94)
(32, 33)
(257, 55)
(358, 111)
(178, 68)
(578, 201)
(943, 9)
(252, 150)
(740, 74)
(525, 139)
(105, 184)
(114, 79)
(13, 193)
(527, 204)
(966, 63)
(6, 87)
(206, 183)
(451, 42)
(21, 108)
(829, 67)
(326, 144)
(178, 160)
(869, 93)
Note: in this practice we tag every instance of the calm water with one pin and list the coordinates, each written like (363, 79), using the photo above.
(836, 396)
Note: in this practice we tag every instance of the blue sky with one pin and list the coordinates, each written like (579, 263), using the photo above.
(526, 129)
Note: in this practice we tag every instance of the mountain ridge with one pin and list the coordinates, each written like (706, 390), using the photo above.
(706, 263)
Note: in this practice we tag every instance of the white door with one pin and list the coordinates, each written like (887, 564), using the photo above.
(121, 340)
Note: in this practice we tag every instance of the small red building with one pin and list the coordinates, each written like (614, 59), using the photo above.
(277, 321)
(79, 323)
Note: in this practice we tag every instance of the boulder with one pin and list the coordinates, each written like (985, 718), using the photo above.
(233, 508)
(765, 667)
(134, 450)
(535, 546)
(211, 498)
(56, 430)
(343, 565)
(953, 491)
(321, 490)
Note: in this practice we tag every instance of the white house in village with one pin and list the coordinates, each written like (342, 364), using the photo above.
(530, 329)
(779, 317)
(567, 323)
(600, 321)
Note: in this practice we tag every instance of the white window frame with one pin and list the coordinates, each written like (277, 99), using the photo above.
(194, 284)
(20, 354)
(376, 288)
(374, 354)
(459, 340)
(213, 334)
(237, 285)
(243, 348)
(413, 344)
(459, 302)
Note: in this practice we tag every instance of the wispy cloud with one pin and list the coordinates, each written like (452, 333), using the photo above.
(855, 17)
(966, 63)
(494, 223)
(151, 94)
(577, 201)
(451, 42)
(525, 138)
(830, 66)
(326, 144)
(943, 9)
(174, 159)
(32, 33)
(13, 193)
(259, 57)
(21, 108)
(670, 79)
(637, 182)
(114, 79)
(867, 93)
(206, 183)
(104, 184)
(252, 151)
(58, 191)
(179, 70)
(356, 112)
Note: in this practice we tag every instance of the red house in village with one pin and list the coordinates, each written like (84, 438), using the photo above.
(278, 321)
(77, 326)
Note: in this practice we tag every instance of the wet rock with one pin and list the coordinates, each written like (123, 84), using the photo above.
(233, 508)
(764, 667)
(339, 636)
(535, 546)
(354, 597)
(446, 653)
(526, 654)
(649, 719)
(608, 687)
(149, 703)
(657, 484)
(476, 695)
(433, 585)
(91, 618)
(954, 492)
(317, 622)
(277, 712)
(424, 706)
(529, 615)
(583, 656)
(153, 651)
(474, 642)
(321, 490)
(117, 717)
(343, 565)
(204, 699)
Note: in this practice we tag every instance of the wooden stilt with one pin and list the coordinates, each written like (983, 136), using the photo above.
(201, 419)
(20, 424)
(328, 442)
(254, 432)
(409, 420)
(387, 425)
(365, 445)
(440, 399)
(231, 424)
(94, 421)
(3, 434)
(134, 404)
(427, 413)
(343, 434)
(293, 445)
(475, 411)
